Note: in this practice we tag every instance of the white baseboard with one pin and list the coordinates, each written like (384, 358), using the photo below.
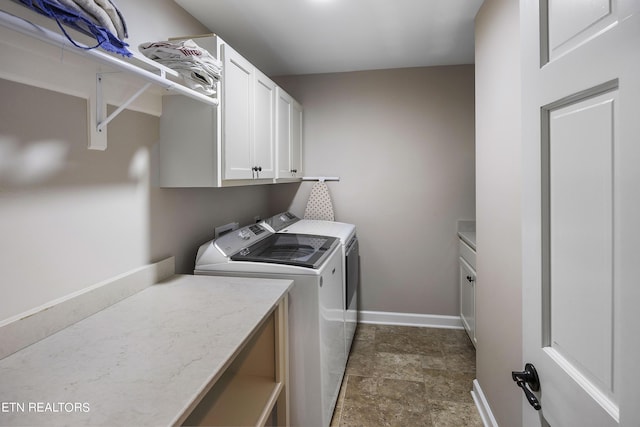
(483, 406)
(410, 319)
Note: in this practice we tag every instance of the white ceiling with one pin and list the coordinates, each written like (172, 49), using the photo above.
(283, 37)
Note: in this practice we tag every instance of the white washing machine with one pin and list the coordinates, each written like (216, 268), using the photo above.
(316, 329)
(286, 222)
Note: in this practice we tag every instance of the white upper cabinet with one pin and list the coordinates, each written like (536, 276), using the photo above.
(191, 137)
(288, 136)
(239, 147)
(188, 152)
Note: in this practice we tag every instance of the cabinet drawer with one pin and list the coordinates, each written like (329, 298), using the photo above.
(467, 253)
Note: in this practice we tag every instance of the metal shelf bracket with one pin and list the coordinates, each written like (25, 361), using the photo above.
(98, 113)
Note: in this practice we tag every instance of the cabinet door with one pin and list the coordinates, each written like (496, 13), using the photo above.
(237, 115)
(468, 299)
(295, 147)
(264, 125)
(283, 133)
(288, 136)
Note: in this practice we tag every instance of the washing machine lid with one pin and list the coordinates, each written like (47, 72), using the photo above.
(341, 230)
(301, 250)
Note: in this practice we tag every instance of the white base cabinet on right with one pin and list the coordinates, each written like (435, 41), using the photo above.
(467, 262)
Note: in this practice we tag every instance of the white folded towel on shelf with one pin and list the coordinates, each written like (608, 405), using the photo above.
(196, 65)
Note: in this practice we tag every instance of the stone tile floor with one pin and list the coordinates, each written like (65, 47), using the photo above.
(408, 376)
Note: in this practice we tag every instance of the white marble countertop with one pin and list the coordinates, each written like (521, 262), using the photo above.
(469, 237)
(142, 361)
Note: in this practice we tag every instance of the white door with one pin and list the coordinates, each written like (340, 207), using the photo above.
(289, 136)
(467, 282)
(237, 115)
(264, 126)
(581, 203)
(295, 150)
(283, 133)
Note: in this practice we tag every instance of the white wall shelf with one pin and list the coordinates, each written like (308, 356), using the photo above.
(19, 21)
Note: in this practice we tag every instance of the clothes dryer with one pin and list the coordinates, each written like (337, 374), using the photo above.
(287, 222)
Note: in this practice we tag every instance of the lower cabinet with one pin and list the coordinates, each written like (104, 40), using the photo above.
(468, 290)
(254, 388)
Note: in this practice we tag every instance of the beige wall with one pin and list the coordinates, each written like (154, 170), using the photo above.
(401, 140)
(498, 207)
(402, 143)
(71, 217)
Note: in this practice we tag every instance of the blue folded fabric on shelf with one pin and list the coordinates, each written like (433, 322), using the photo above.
(74, 18)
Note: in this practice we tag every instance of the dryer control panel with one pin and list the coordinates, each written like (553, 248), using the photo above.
(236, 240)
(280, 221)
